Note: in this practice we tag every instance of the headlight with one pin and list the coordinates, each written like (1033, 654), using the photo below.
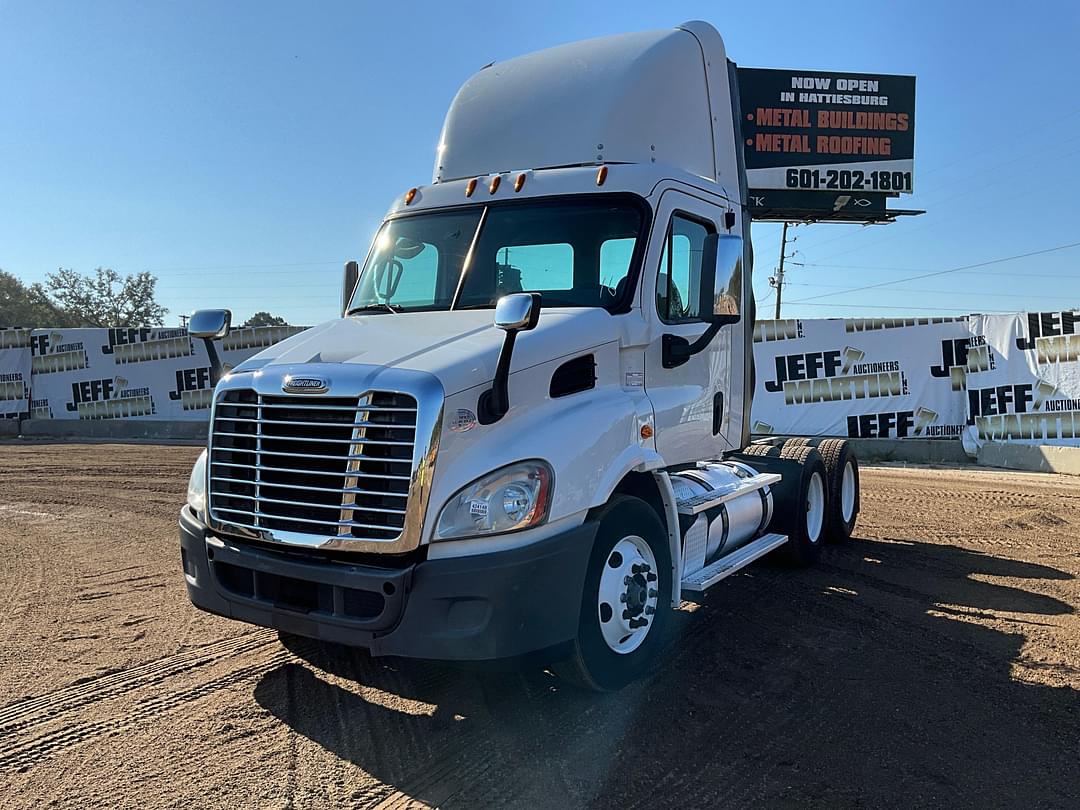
(196, 487)
(506, 500)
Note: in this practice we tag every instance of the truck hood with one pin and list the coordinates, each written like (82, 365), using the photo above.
(461, 348)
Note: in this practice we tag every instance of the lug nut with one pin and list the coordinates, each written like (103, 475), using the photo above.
(636, 623)
(653, 593)
(650, 610)
(650, 577)
(626, 614)
(622, 597)
(627, 580)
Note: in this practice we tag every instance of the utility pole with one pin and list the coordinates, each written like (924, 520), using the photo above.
(183, 320)
(777, 281)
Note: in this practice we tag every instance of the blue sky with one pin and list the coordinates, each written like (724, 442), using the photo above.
(243, 151)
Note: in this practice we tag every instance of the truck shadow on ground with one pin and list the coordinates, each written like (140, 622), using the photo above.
(881, 677)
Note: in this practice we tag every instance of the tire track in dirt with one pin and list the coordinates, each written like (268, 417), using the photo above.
(27, 713)
(25, 754)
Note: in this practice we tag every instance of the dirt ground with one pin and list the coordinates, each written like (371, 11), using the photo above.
(935, 662)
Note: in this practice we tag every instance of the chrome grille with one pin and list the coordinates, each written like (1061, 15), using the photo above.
(338, 467)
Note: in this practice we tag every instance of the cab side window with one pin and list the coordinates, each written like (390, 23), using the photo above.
(678, 278)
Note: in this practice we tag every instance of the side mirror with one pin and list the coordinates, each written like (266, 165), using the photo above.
(718, 299)
(210, 324)
(518, 312)
(348, 284)
(721, 289)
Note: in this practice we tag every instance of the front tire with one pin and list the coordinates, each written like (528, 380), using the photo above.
(626, 602)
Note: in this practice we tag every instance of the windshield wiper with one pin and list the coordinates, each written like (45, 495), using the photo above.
(378, 306)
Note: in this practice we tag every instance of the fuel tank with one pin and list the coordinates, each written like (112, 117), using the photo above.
(728, 525)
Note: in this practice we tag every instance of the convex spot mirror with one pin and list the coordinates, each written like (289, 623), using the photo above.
(210, 324)
(721, 289)
(518, 312)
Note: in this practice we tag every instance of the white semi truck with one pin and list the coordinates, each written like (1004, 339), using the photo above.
(527, 433)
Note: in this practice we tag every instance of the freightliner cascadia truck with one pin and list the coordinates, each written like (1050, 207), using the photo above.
(528, 432)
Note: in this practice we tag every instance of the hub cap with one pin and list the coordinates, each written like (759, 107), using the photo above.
(815, 508)
(628, 593)
(847, 493)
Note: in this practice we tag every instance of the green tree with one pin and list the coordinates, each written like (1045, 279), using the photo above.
(107, 298)
(265, 319)
(29, 306)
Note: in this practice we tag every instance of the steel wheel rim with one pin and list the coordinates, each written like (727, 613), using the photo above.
(847, 492)
(815, 508)
(628, 595)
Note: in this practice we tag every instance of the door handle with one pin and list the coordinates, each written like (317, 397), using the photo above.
(717, 412)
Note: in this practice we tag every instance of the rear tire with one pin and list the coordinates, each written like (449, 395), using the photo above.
(628, 582)
(801, 506)
(762, 450)
(843, 470)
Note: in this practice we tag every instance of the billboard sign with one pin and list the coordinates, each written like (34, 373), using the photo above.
(840, 134)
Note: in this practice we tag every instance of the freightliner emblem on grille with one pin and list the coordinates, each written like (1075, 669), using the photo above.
(305, 385)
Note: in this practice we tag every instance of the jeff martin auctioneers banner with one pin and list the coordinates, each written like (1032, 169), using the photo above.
(147, 373)
(14, 373)
(979, 378)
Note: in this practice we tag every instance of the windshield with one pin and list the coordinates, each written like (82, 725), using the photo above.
(576, 254)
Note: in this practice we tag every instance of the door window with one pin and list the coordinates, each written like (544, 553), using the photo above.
(678, 280)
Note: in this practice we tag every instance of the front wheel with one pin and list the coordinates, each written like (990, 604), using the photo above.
(626, 600)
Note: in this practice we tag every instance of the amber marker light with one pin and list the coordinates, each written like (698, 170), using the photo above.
(410, 195)
(494, 184)
(470, 187)
(646, 431)
(601, 175)
(519, 182)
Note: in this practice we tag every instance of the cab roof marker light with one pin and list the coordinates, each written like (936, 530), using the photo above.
(410, 195)
(601, 175)
(494, 184)
(470, 187)
(519, 182)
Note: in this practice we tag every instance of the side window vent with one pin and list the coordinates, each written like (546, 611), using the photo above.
(574, 376)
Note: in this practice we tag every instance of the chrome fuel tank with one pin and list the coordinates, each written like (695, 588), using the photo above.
(731, 524)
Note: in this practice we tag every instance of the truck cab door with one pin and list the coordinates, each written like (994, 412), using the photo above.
(697, 410)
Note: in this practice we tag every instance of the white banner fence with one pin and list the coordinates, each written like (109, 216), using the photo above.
(143, 373)
(1005, 378)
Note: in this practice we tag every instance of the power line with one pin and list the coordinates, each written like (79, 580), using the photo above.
(1071, 276)
(968, 293)
(944, 272)
(963, 192)
(959, 310)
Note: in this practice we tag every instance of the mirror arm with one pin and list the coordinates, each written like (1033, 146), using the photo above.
(495, 402)
(216, 367)
(677, 350)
